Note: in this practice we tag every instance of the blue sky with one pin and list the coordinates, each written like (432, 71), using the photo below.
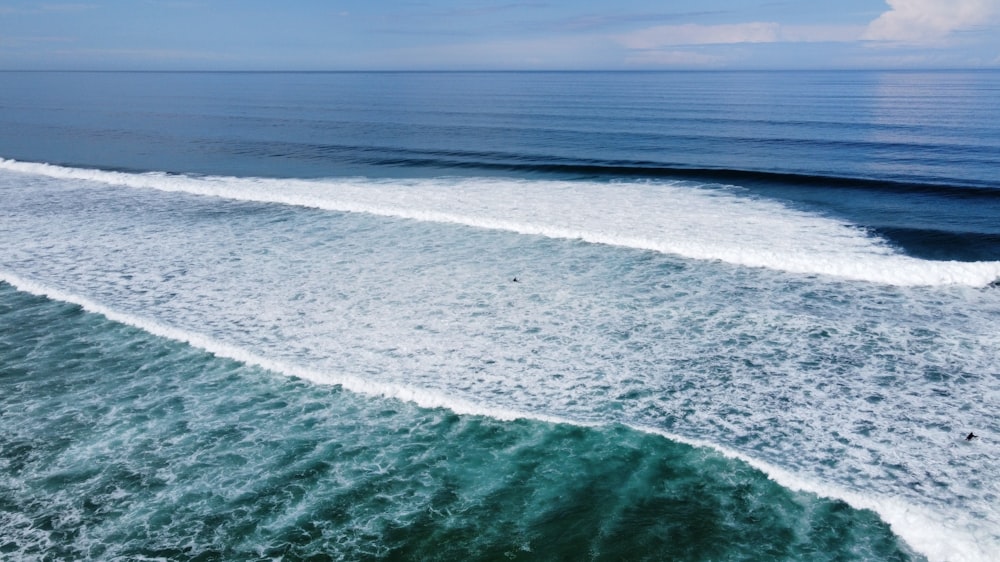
(498, 34)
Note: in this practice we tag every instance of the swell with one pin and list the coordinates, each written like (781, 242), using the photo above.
(521, 163)
(919, 527)
(937, 244)
(655, 170)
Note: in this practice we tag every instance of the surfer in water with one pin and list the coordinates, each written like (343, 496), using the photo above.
(970, 436)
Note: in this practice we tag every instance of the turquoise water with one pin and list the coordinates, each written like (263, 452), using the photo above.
(121, 445)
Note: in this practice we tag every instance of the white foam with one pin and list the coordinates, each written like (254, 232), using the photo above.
(941, 535)
(420, 397)
(668, 217)
(944, 537)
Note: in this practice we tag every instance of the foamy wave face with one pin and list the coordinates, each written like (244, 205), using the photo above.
(856, 390)
(675, 218)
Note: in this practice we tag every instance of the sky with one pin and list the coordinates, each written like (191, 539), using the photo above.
(497, 34)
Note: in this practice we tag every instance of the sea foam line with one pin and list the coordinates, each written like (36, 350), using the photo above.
(666, 217)
(354, 384)
(936, 536)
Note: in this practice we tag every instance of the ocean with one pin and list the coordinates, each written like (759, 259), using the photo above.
(500, 316)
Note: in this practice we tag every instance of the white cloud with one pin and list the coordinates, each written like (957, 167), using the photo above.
(656, 46)
(673, 58)
(557, 52)
(821, 33)
(753, 32)
(695, 34)
(930, 21)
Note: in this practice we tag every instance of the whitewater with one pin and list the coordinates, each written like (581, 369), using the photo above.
(711, 223)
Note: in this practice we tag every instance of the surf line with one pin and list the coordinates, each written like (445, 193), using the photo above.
(355, 195)
(920, 528)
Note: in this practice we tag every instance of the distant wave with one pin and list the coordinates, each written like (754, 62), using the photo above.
(527, 163)
(696, 221)
(638, 169)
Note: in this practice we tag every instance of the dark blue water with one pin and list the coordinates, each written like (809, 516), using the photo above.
(266, 315)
